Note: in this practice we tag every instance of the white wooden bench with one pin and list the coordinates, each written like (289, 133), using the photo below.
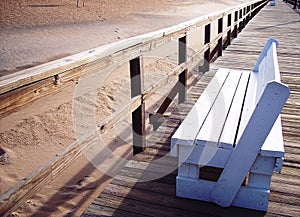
(231, 141)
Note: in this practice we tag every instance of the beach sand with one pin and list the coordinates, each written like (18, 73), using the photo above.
(34, 32)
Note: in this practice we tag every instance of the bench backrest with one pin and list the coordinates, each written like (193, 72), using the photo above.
(267, 67)
(265, 72)
(264, 100)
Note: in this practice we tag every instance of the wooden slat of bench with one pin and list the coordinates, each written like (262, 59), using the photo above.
(273, 146)
(200, 190)
(189, 128)
(213, 125)
(230, 128)
(249, 104)
(192, 155)
(268, 68)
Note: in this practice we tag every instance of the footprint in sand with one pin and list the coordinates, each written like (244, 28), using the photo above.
(85, 183)
(4, 157)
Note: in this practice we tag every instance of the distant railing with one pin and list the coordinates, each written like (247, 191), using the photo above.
(26, 86)
(295, 3)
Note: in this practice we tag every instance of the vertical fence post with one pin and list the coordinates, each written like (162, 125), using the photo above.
(244, 17)
(240, 22)
(207, 52)
(220, 41)
(138, 116)
(229, 32)
(182, 77)
(248, 14)
(235, 31)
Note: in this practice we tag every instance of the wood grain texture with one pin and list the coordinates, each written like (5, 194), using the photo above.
(283, 200)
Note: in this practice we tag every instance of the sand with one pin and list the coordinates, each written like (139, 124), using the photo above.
(31, 35)
(35, 31)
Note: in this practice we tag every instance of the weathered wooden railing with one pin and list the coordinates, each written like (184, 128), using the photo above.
(26, 86)
(295, 3)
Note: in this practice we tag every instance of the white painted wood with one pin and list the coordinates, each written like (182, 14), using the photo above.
(188, 170)
(254, 135)
(194, 171)
(278, 164)
(189, 128)
(259, 181)
(263, 165)
(194, 155)
(258, 81)
(263, 53)
(249, 104)
(229, 131)
(268, 69)
(213, 125)
(273, 146)
(183, 170)
(251, 198)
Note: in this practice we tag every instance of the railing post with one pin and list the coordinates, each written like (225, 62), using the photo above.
(229, 32)
(182, 77)
(235, 31)
(220, 41)
(248, 17)
(138, 116)
(207, 52)
(240, 22)
(244, 17)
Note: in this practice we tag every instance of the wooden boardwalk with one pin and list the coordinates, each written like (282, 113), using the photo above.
(125, 197)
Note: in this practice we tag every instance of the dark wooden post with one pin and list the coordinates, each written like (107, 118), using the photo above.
(240, 22)
(138, 116)
(157, 118)
(207, 52)
(248, 17)
(220, 41)
(244, 17)
(229, 32)
(182, 77)
(235, 31)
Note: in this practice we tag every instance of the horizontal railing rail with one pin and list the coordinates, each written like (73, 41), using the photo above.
(34, 83)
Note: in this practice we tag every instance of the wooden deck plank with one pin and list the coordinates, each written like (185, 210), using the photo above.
(157, 197)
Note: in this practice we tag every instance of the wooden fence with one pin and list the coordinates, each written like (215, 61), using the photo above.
(295, 3)
(26, 86)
